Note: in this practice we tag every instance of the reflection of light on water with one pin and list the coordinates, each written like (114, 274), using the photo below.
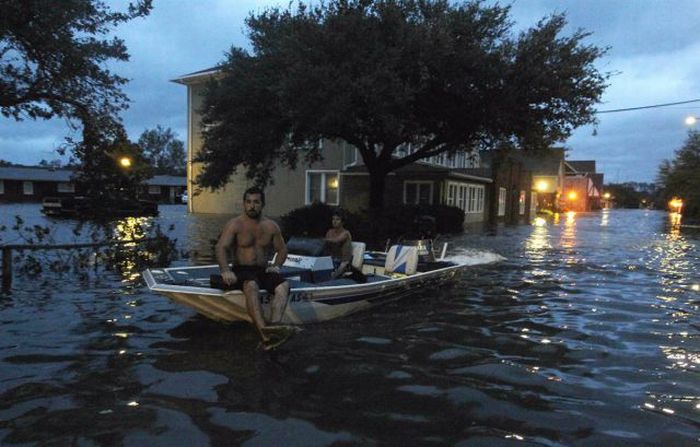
(539, 222)
(568, 236)
(127, 230)
(605, 217)
(537, 242)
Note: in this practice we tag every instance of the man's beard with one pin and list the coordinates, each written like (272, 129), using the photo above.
(253, 214)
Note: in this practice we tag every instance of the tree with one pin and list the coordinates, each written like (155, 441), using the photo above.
(52, 58)
(164, 150)
(101, 177)
(380, 74)
(679, 177)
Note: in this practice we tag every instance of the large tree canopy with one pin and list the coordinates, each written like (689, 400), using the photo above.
(52, 57)
(680, 177)
(383, 73)
(164, 151)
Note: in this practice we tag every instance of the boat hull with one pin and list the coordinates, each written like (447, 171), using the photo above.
(304, 304)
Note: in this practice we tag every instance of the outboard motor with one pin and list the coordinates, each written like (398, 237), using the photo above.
(307, 253)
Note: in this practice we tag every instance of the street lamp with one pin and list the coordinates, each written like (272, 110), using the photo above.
(125, 162)
(691, 120)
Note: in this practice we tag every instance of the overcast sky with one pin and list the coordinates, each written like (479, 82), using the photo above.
(654, 53)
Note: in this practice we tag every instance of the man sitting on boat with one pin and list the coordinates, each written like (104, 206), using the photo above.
(339, 244)
(249, 236)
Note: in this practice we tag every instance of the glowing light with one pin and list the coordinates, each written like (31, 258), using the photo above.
(539, 222)
(606, 195)
(676, 204)
(572, 195)
(133, 403)
(690, 121)
(125, 162)
(695, 287)
(570, 215)
(542, 185)
(333, 183)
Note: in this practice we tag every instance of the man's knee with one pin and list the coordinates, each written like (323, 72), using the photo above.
(250, 287)
(282, 288)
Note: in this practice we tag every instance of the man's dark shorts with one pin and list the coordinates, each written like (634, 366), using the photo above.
(266, 280)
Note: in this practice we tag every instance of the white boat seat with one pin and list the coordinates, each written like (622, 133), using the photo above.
(401, 259)
(358, 254)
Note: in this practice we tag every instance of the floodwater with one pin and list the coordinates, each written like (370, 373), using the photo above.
(585, 333)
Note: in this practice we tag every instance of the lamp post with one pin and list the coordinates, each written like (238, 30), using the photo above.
(125, 162)
(691, 120)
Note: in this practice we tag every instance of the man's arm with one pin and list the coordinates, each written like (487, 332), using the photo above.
(279, 246)
(225, 240)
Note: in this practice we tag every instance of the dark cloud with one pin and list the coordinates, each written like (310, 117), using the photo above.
(653, 51)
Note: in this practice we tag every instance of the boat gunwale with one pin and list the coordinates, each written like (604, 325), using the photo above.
(156, 286)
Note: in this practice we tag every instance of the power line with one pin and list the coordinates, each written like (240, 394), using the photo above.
(649, 107)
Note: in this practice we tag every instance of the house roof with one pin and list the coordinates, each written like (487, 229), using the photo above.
(64, 176)
(35, 174)
(582, 165)
(539, 162)
(167, 180)
(197, 76)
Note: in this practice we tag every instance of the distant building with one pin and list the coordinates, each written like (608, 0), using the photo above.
(23, 184)
(583, 186)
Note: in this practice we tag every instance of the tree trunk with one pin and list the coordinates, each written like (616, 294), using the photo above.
(376, 190)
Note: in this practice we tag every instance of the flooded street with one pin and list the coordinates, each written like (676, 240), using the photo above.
(586, 333)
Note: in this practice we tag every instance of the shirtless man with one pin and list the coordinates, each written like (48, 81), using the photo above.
(249, 235)
(339, 241)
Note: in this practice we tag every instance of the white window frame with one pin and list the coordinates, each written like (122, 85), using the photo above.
(522, 198)
(352, 160)
(154, 190)
(65, 187)
(324, 173)
(418, 184)
(2, 187)
(28, 188)
(502, 194)
(468, 197)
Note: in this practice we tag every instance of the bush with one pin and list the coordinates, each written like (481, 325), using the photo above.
(394, 222)
(313, 220)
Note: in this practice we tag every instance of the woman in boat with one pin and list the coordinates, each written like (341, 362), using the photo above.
(339, 243)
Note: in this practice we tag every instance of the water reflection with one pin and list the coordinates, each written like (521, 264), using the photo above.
(533, 350)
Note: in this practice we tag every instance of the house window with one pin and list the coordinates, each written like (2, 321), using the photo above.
(469, 198)
(322, 186)
(2, 187)
(154, 190)
(28, 188)
(501, 201)
(476, 199)
(521, 202)
(349, 155)
(451, 194)
(417, 193)
(65, 187)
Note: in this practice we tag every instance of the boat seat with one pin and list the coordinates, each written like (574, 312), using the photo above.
(401, 259)
(358, 254)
